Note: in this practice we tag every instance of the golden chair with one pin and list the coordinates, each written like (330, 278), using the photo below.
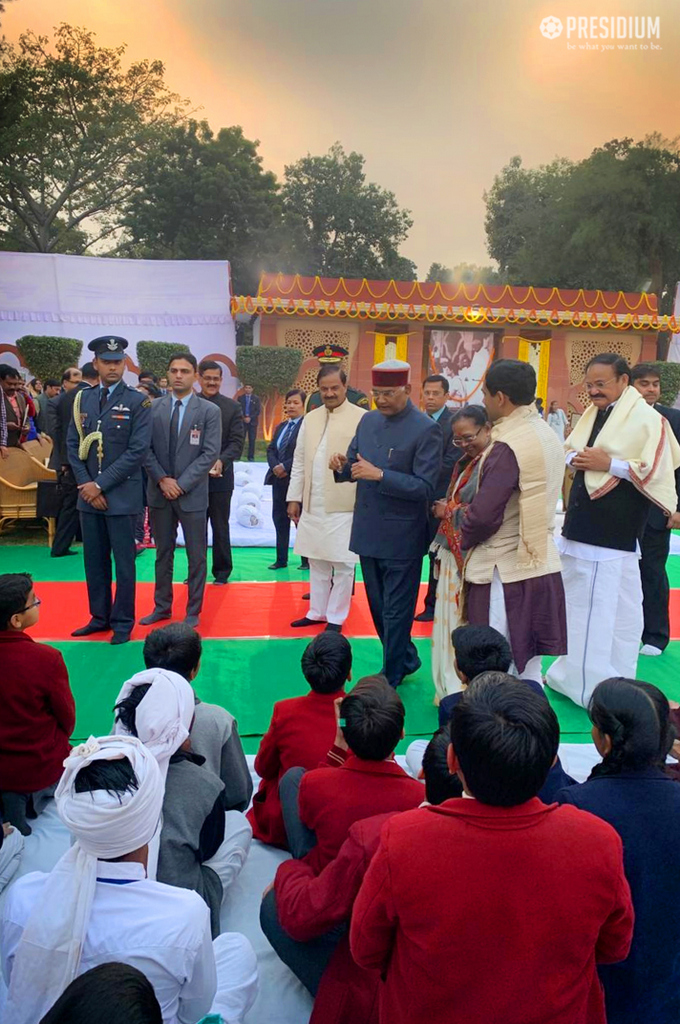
(19, 476)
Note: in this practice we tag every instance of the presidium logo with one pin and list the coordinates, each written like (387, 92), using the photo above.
(610, 32)
(551, 27)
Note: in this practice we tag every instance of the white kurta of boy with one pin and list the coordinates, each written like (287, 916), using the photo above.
(320, 534)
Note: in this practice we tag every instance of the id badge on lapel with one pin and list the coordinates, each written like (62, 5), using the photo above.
(195, 436)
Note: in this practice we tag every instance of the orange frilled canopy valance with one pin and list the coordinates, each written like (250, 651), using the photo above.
(280, 294)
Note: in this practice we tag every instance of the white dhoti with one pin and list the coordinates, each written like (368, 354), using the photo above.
(604, 624)
(236, 967)
(323, 538)
(446, 619)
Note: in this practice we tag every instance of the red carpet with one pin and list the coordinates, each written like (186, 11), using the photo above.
(235, 611)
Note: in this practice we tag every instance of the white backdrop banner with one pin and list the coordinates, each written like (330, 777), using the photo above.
(83, 297)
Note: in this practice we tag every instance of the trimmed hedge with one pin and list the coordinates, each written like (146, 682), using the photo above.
(269, 369)
(154, 356)
(669, 374)
(46, 356)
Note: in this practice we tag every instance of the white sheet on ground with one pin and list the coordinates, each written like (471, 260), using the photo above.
(281, 999)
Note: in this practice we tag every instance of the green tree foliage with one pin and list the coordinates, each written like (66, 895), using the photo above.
(607, 222)
(46, 356)
(74, 126)
(154, 356)
(351, 227)
(464, 273)
(206, 196)
(269, 369)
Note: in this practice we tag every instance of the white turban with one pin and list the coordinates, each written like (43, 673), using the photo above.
(105, 826)
(164, 714)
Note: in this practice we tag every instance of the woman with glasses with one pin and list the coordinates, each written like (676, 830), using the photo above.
(472, 436)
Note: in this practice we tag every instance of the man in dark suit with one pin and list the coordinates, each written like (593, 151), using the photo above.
(435, 397)
(67, 521)
(186, 433)
(656, 539)
(221, 484)
(396, 459)
(280, 452)
(108, 437)
(251, 408)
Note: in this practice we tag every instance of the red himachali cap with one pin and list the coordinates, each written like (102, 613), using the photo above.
(393, 373)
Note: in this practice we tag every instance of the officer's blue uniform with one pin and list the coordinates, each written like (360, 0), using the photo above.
(125, 423)
(390, 529)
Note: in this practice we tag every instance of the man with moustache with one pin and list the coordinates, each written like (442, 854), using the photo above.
(395, 458)
(624, 455)
(321, 511)
(221, 482)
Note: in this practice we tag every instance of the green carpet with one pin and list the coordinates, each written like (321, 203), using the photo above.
(248, 676)
(249, 564)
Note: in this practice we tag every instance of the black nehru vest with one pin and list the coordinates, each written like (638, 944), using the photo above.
(616, 520)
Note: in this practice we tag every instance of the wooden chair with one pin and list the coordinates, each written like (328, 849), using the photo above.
(19, 476)
(40, 448)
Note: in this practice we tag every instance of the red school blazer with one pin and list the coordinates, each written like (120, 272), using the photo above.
(310, 905)
(332, 799)
(476, 914)
(301, 732)
(38, 713)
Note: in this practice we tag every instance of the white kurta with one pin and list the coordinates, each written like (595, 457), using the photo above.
(320, 534)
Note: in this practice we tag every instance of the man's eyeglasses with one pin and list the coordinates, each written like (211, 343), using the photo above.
(598, 384)
(463, 442)
(28, 607)
(387, 393)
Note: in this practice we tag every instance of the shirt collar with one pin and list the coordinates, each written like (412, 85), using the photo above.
(105, 387)
(128, 870)
(435, 415)
(296, 420)
(358, 764)
(184, 401)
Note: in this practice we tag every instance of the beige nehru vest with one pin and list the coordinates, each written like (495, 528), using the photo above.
(501, 550)
(342, 426)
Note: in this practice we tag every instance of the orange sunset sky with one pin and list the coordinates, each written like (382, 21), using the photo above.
(437, 94)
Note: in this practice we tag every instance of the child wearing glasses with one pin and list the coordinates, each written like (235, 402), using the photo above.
(38, 710)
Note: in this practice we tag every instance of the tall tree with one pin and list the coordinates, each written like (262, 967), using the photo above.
(607, 222)
(206, 196)
(351, 227)
(464, 273)
(74, 124)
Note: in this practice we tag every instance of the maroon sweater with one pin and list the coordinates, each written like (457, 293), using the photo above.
(38, 713)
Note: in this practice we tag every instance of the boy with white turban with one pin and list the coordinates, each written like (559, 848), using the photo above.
(97, 905)
(201, 847)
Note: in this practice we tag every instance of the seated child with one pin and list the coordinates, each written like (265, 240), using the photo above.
(362, 779)
(483, 649)
(201, 847)
(305, 917)
(301, 731)
(214, 734)
(38, 710)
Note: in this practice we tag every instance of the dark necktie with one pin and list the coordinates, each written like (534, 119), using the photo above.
(103, 398)
(174, 434)
(285, 438)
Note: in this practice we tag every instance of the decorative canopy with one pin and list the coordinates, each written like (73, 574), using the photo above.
(435, 302)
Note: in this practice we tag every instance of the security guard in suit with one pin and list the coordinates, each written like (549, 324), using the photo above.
(334, 354)
(107, 441)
